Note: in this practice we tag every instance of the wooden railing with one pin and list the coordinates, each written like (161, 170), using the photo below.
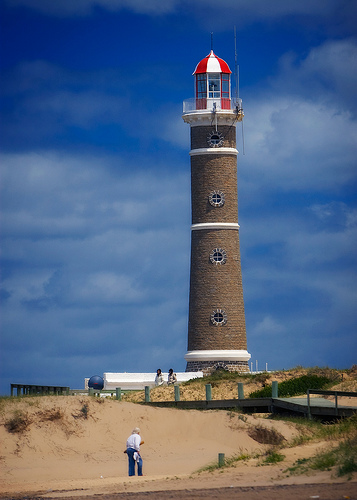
(336, 394)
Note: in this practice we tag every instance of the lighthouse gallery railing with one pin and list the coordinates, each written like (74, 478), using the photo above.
(193, 104)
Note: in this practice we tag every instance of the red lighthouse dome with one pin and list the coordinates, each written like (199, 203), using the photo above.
(212, 83)
(212, 64)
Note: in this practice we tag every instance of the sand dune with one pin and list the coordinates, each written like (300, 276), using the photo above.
(76, 444)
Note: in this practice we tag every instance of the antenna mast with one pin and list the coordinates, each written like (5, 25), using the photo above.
(239, 109)
(236, 67)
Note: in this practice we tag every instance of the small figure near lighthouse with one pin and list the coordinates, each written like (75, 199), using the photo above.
(216, 327)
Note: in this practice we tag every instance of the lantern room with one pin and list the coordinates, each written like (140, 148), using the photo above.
(212, 83)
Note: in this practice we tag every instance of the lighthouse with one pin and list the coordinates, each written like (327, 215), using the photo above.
(216, 327)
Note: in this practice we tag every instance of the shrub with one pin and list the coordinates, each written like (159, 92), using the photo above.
(51, 415)
(83, 412)
(323, 461)
(18, 423)
(348, 466)
(264, 435)
(294, 386)
(273, 457)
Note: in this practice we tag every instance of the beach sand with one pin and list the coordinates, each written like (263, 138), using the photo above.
(72, 447)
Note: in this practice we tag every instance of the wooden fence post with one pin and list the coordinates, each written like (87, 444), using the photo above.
(336, 404)
(208, 392)
(274, 389)
(221, 460)
(118, 393)
(147, 394)
(240, 390)
(308, 405)
(177, 392)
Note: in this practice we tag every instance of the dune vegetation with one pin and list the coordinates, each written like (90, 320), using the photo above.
(224, 384)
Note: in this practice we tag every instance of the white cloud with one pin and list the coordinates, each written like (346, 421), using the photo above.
(62, 195)
(268, 326)
(86, 7)
(328, 75)
(84, 109)
(106, 287)
(295, 144)
(245, 11)
(301, 131)
(82, 232)
(262, 9)
(52, 101)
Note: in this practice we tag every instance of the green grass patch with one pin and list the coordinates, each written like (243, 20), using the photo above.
(347, 467)
(294, 386)
(299, 467)
(228, 462)
(346, 456)
(273, 457)
(343, 457)
(309, 430)
(338, 429)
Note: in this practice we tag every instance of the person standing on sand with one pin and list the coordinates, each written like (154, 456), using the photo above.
(133, 451)
(159, 379)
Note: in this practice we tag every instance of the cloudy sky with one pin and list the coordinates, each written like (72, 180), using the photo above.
(95, 182)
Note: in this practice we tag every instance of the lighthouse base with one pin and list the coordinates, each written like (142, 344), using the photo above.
(208, 367)
(210, 361)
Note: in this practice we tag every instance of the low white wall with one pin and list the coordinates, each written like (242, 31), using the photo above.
(137, 381)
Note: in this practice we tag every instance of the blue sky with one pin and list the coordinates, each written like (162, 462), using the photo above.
(95, 182)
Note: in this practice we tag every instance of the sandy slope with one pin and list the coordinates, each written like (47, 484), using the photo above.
(75, 445)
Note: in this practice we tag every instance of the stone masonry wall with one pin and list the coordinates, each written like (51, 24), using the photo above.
(211, 173)
(208, 367)
(215, 286)
(199, 136)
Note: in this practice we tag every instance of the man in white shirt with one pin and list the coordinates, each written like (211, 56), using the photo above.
(133, 451)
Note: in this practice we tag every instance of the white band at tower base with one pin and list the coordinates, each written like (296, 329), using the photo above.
(223, 355)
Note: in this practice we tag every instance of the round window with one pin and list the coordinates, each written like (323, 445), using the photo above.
(218, 256)
(216, 198)
(215, 139)
(218, 317)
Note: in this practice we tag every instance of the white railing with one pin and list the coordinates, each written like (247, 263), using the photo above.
(195, 105)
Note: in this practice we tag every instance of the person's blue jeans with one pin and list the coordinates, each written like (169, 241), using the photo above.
(130, 452)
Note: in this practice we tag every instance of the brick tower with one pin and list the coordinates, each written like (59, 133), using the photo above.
(216, 327)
